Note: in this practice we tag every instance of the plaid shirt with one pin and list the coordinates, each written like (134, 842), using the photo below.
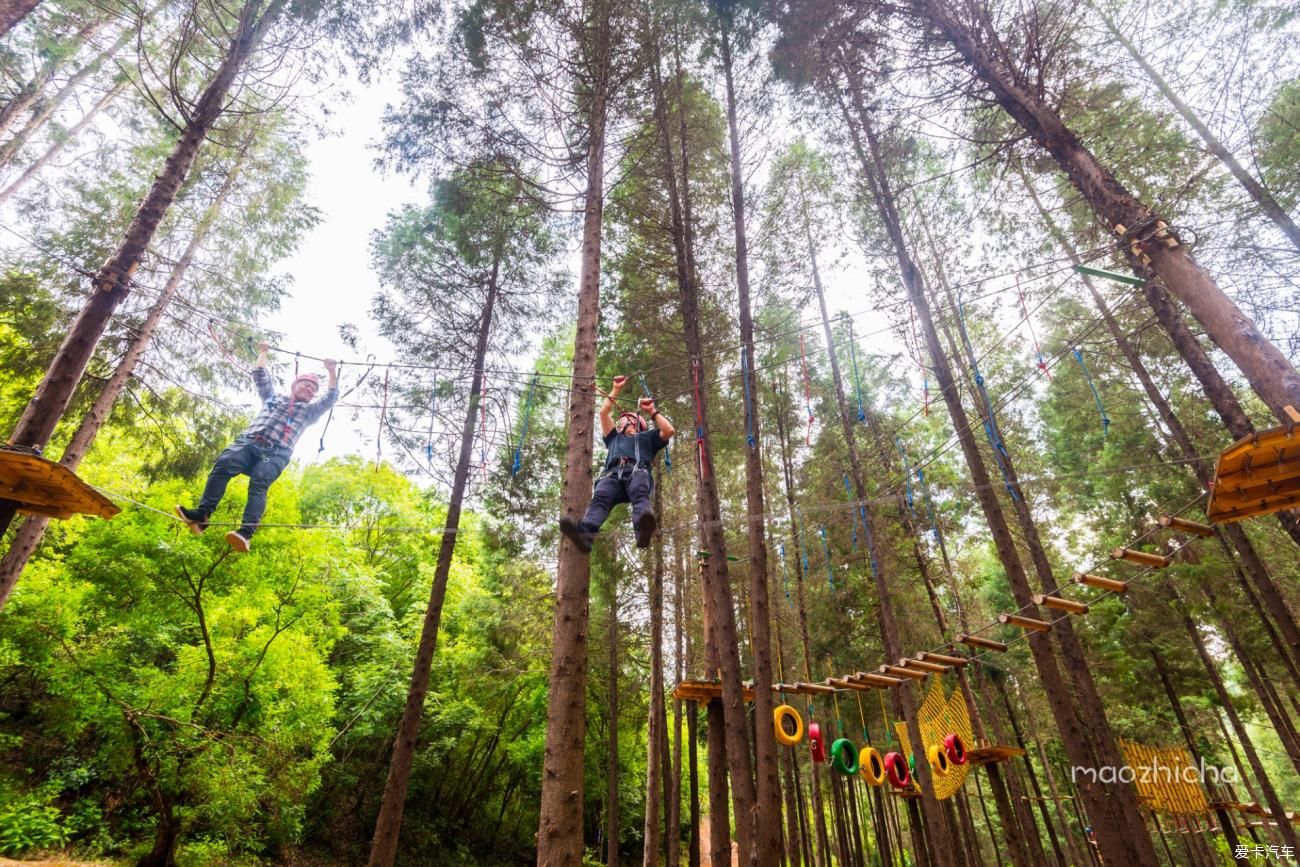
(282, 418)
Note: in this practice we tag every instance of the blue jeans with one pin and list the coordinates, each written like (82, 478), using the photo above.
(633, 487)
(261, 463)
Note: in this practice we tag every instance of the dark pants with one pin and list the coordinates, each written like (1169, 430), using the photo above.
(262, 464)
(633, 487)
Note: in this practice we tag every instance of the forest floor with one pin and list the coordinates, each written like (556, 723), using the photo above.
(55, 862)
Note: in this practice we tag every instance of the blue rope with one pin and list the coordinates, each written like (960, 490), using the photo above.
(749, 407)
(929, 504)
(785, 575)
(990, 422)
(803, 549)
(853, 522)
(857, 381)
(668, 452)
(1105, 422)
(871, 548)
(523, 432)
(826, 549)
(907, 477)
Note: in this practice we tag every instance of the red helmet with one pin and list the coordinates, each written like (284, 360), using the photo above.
(635, 419)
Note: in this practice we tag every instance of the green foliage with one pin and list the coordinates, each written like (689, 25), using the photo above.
(28, 823)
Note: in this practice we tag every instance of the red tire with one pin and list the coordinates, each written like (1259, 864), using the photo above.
(815, 742)
(897, 771)
(955, 747)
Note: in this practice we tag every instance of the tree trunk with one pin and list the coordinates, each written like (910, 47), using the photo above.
(718, 602)
(1267, 368)
(719, 812)
(768, 790)
(886, 617)
(559, 836)
(611, 762)
(112, 282)
(822, 852)
(1033, 776)
(692, 726)
(1118, 846)
(1266, 786)
(57, 145)
(28, 536)
(388, 824)
(655, 748)
(1261, 196)
(673, 825)
(13, 11)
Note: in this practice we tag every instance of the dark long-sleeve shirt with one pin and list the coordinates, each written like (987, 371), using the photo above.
(283, 418)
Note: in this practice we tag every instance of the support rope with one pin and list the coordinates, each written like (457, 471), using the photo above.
(699, 420)
(668, 450)
(1105, 421)
(1038, 350)
(518, 462)
(826, 550)
(990, 422)
(807, 386)
(853, 522)
(749, 406)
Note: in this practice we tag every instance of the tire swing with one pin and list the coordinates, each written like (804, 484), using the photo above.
(955, 748)
(815, 743)
(788, 724)
(938, 760)
(900, 777)
(844, 757)
(871, 766)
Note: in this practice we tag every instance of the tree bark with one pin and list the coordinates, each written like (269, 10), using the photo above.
(29, 535)
(111, 283)
(655, 748)
(611, 762)
(559, 836)
(1269, 371)
(1253, 187)
(768, 789)
(1248, 747)
(673, 824)
(718, 602)
(1118, 845)
(388, 824)
(1033, 776)
(13, 11)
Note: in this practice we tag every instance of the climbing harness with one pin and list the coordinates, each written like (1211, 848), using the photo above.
(518, 462)
(1105, 421)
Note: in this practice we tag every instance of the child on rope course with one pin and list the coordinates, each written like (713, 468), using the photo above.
(263, 450)
(626, 477)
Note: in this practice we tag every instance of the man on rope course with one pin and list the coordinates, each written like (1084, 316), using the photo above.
(626, 478)
(263, 450)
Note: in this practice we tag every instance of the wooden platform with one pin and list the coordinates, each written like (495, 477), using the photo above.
(43, 487)
(705, 691)
(1257, 475)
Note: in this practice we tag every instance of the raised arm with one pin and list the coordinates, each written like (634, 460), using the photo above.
(666, 429)
(326, 400)
(262, 379)
(607, 407)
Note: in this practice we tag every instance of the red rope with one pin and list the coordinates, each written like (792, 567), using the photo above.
(807, 385)
(1042, 362)
(699, 419)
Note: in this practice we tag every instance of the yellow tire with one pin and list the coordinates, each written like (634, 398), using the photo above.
(871, 766)
(938, 760)
(788, 725)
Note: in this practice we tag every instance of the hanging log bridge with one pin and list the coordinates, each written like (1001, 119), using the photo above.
(37, 486)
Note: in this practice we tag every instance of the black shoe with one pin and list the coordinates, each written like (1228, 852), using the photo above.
(193, 519)
(237, 540)
(645, 529)
(580, 539)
